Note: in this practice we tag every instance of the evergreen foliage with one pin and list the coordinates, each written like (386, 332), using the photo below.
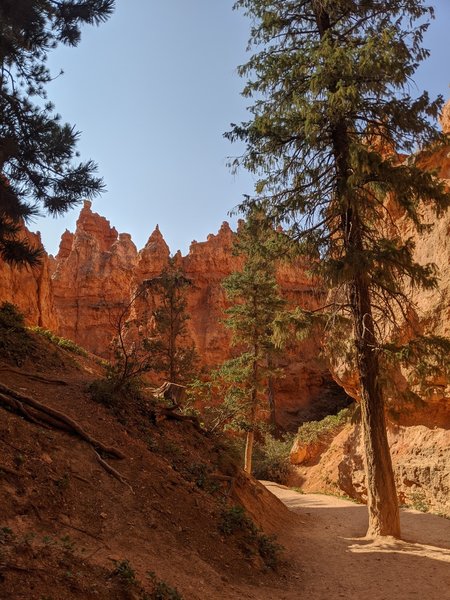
(256, 304)
(331, 119)
(15, 342)
(37, 151)
(172, 352)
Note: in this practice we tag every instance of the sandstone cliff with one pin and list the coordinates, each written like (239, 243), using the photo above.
(96, 272)
(30, 289)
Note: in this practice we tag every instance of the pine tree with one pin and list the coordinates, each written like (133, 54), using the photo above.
(36, 150)
(172, 352)
(331, 121)
(257, 302)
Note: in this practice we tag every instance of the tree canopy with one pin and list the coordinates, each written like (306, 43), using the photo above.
(331, 121)
(37, 150)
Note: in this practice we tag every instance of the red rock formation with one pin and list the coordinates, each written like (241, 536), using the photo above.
(30, 289)
(96, 273)
(420, 456)
(92, 280)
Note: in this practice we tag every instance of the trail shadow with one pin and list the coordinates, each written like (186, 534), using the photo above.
(338, 561)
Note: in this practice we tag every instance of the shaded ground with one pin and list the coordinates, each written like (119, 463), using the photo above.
(335, 561)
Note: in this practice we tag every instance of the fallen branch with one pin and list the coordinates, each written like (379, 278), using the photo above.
(8, 471)
(169, 413)
(70, 526)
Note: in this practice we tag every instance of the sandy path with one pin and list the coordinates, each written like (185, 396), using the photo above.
(332, 560)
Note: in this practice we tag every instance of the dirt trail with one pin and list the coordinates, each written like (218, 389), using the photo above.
(331, 558)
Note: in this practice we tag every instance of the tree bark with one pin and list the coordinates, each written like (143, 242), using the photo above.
(384, 518)
(249, 452)
(271, 392)
(253, 407)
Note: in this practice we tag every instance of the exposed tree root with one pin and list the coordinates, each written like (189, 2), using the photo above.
(112, 471)
(40, 414)
(32, 376)
(52, 417)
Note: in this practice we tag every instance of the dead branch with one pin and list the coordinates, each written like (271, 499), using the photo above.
(70, 526)
(8, 471)
(169, 413)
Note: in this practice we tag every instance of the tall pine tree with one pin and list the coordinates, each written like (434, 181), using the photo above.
(256, 304)
(331, 117)
(37, 150)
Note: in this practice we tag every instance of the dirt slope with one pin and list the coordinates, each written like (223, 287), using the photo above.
(70, 529)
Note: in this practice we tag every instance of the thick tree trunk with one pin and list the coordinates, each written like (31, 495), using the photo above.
(382, 501)
(249, 452)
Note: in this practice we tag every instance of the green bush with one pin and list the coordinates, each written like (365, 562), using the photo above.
(15, 342)
(271, 458)
(60, 341)
(103, 391)
(234, 520)
(161, 591)
(313, 431)
(11, 318)
(125, 572)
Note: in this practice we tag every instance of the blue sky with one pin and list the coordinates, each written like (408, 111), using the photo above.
(152, 91)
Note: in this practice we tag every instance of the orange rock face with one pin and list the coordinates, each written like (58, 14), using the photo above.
(81, 293)
(97, 271)
(92, 280)
(420, 457)
(30, 289)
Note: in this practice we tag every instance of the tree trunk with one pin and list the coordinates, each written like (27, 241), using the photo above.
(382, 501)
(271, 392)
(253, 406)
(249, 452)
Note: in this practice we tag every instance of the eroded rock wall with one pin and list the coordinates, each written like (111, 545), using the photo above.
(420, 457)
(30, 288)
(97, 271)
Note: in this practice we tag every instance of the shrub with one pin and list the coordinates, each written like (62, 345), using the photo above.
(125, 572)
(271, 459)
(234, 520)
(60, 341)
(15, 343)
(11, 318)
(313, 431)
(103, 391)
(161, 591)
